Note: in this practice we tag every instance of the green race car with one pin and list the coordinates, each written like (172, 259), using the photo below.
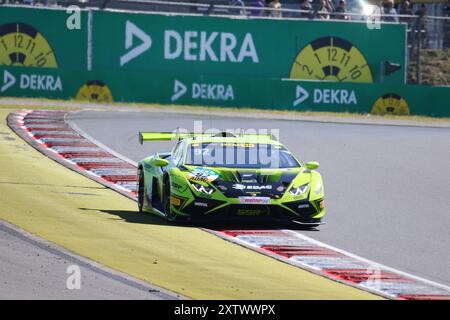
(224, 176)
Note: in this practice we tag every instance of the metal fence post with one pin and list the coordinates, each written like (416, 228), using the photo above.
(89, 40)
(418, 46)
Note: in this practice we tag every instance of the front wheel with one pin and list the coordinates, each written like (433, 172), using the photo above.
(166, 200)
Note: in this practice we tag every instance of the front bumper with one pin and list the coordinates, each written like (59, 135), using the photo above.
(302, 212)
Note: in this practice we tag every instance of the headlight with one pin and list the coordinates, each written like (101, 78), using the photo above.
(299, 190)
(318, 188)
(202, 189)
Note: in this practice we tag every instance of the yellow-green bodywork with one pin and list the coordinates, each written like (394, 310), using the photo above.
(183, 196)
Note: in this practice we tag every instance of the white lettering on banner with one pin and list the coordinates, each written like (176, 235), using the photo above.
(334, 96)
(248, 49)
(227, 44)
(205, 91)
(8, 81)
(205, 46)
(132, 31)
(73, 22)
(189, 45)
(179, 89)
(300, 95)
(199, 46)
(169, 53)
(40, 82)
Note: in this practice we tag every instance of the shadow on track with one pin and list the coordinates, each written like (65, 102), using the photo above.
(147, 218)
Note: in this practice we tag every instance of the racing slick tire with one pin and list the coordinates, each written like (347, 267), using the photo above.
(141, 190)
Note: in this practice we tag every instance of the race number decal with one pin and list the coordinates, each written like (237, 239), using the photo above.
(202, 174)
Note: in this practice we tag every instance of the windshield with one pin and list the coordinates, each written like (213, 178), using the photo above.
(239, 155)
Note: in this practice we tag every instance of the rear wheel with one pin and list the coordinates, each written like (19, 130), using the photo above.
(141, 190)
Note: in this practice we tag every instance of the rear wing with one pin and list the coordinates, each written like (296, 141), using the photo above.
(161, 136)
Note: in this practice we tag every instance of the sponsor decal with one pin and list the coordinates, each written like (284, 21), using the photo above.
(238, 144)
(200, 204)
(175, 201)
(254, 200)
(239, 186)
(203, 174)
(249, 212)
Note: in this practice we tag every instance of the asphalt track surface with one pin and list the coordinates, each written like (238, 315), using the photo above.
(31, 269)
(387, 187)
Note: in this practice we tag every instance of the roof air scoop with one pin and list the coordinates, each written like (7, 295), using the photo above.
(224, 134)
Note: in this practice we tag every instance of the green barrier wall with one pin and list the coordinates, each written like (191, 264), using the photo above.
(40, 38)
(259, 92)
(154, 58)
(251, 47)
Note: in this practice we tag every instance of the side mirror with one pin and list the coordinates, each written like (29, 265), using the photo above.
(159, 162)
(312, 165)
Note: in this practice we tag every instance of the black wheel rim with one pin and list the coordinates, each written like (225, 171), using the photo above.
(141, 191)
